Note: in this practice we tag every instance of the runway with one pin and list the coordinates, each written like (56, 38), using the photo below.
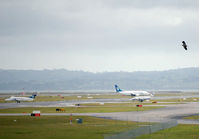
(170, 112)
(60, 103)
(73, 102)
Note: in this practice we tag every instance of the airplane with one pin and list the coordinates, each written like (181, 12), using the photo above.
(141, 98)
(132, 93)
(19, 99)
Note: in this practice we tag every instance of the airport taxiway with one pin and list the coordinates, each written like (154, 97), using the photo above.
(170, 112)
(60, 103)
(82, 101)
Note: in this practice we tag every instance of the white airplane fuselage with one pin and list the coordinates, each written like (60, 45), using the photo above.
(135, 93)
(18, 99)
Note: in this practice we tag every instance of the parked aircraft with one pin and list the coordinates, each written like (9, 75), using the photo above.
(133, 92)
(19, 99)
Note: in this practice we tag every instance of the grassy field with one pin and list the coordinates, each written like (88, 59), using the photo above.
(179, 132)
(195, 117)
(78, 109)
(53, 127)
(58, 127)
(178, 100)
(177, 94)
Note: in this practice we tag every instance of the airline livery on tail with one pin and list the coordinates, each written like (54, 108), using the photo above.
(19, 99)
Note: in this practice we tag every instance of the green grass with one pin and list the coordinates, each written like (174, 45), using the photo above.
(179, 132)
(178, 100)
(77, 109)
(58, 127)
(177, 94)
(195, 117)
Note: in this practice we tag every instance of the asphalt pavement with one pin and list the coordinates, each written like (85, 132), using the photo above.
(170, 112)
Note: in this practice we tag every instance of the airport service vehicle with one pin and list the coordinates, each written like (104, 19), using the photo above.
(19, 99)
(141, 98)
(132, 93)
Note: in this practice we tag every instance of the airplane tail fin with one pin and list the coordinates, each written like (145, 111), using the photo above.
(117, 89)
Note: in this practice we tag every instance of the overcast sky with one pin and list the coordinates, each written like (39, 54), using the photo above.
(99, 35)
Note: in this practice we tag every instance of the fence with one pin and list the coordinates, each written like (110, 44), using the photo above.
(143, 130)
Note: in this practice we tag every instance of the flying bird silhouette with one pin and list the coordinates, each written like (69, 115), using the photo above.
(184, 45)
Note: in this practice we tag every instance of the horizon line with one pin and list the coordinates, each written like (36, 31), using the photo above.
(80, 70)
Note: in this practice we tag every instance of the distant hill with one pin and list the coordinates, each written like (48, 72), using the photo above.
(179, 79)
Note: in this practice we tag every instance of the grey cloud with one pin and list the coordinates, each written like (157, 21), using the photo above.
(35, 17)
(152, 3)
(88, 28)
(22, 17)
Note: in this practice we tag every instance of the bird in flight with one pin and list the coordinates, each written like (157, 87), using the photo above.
(184, 45)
